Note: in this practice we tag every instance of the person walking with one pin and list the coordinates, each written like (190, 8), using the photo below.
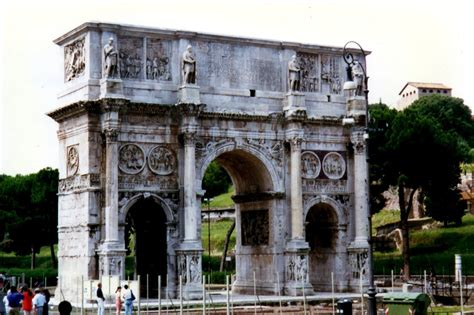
(27, 304)
(14, 299)
(47, 297)
(3, 295)
(118, 300)
(100, 300)
(128, 298)
(38, 301)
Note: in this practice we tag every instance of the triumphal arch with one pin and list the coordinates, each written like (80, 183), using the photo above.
(142, 114)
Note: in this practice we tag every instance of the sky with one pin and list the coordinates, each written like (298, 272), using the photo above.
(410, 40)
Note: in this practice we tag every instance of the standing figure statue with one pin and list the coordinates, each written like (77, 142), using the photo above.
(294, 74)
(189, 66)
(111, 60)
(357, 75)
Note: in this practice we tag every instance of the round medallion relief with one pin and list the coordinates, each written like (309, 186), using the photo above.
(131, 159)
(334, 165)
(310, 165)
(161, 161)
(72, 161)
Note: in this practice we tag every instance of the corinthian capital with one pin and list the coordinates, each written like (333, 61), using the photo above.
(358, 141)
(189, 138)
(295, 143)
(111, 134)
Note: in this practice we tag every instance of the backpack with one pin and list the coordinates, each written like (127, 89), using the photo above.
(132, 296)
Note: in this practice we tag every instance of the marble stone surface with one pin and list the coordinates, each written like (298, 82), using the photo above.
(138, 144)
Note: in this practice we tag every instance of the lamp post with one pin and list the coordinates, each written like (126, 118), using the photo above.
(208, 200)
(357, 86)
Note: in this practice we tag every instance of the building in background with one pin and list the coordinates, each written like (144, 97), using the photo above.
(414, 90)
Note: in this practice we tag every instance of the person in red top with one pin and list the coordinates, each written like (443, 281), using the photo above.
(27, 304)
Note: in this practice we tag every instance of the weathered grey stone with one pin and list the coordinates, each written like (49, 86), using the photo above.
(134, 147)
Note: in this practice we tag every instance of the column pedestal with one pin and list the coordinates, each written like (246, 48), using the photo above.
(189, 94)
(355, 106)
(189, 262)
(111, 88)
(295, 102)
(296, 269)
(112, 259)
(359, 265)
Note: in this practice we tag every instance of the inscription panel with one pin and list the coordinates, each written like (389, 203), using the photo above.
(231, 66)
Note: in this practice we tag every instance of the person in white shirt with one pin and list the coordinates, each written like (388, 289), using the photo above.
(128, 298)
(38, 302)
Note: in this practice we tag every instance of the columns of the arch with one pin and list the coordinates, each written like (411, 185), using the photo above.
(361, 193)
(358, 250)
(189, 252)
(296, 253)
(191, 210)
(112, 250)
(296, 190)
(111, 185)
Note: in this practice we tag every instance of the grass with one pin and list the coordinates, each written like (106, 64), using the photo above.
(384, 217)
(434, 248)
(222, 201)
(218, 232)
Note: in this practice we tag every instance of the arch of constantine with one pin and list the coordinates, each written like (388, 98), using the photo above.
(142, 114)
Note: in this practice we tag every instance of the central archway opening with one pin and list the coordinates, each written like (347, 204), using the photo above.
(254, 203)
(146, 233)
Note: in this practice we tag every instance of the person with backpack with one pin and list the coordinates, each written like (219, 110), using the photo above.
(128, 297)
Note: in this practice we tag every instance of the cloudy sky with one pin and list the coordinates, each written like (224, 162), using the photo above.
(410, 40)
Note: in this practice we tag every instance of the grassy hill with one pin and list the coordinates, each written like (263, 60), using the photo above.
(434, 248)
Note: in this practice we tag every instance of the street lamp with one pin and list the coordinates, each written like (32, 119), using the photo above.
(208, 201)
(356, 85)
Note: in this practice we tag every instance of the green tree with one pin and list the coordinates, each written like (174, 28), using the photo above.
(28, 213)
(216, 180)
(421, 149)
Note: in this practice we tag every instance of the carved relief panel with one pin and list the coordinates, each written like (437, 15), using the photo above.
(161, 160)
(131, 57)
(297, 268)
(131, 159)
(72, 160)
(334, 166)
(310, 165)
(255, 228)
(309, 72)
(331, 75)
(328, 176)
(74, 60)
(158, 53)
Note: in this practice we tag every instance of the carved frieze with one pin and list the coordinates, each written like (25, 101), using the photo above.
(255, 227)
(161, 160)
(74, 60)
(78, 182)
(309, 72)
(189, 268)
(331, 73)
(72, 160)
(310, 165)
(310, 186)
(358, 259)
(297, 268)
(334, 166)
(158, 60)
(131, 57)
(142, 181)
(131, 159)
